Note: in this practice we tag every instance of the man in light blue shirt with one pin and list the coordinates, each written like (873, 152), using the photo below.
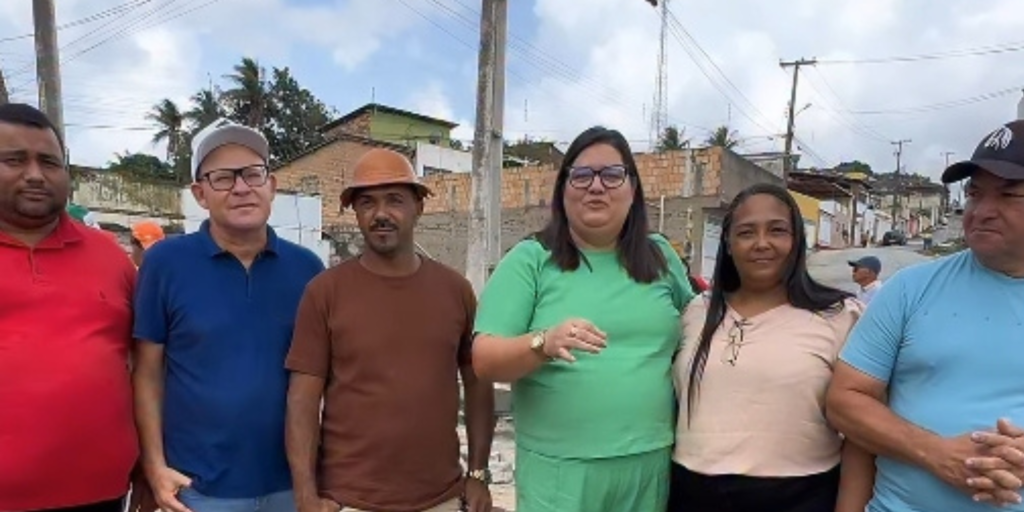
(865, 273)
(939, 356)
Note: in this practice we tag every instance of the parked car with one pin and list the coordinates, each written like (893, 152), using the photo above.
(894, 237)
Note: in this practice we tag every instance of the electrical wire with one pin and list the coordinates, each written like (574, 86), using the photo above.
(951, 54)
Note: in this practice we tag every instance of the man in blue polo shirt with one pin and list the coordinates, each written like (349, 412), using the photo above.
(938, 357)
(216, 309)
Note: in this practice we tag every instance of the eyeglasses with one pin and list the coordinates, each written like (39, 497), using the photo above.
(612, 176)
(731, 353)
(223, 180)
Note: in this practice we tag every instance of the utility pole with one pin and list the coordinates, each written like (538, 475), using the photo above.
(48, 62)
(497, 136)
(791, 122)
(4, 97)
(485, 197)
(659, 112)
(946, 155)
(898, 186)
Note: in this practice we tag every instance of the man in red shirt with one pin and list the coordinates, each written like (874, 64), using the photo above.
(67, 437)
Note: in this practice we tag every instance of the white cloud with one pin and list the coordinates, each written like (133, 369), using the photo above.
(432, 101)
(355, 29)
(584, 66)
(613, 42)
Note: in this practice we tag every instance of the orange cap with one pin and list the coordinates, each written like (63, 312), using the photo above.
(147, 233)
(378, 167)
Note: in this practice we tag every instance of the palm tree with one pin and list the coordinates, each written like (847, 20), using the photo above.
(672, 139)
(249, 99)
(169, 122)
(206, 108)
(722, 137)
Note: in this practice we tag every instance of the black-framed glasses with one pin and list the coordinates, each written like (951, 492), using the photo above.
(612, 176)
(223, 180)
(731, 352)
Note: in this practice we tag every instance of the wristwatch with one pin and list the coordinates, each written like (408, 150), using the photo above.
(483, 475)
(537, 342)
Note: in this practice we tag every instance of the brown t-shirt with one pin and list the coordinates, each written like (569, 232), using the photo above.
(390, 349)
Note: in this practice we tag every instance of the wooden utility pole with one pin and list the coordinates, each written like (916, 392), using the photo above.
(48, 62)
(791, 121)
(898, 185)
(484, 237)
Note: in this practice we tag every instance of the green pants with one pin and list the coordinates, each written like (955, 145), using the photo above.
(632, 483)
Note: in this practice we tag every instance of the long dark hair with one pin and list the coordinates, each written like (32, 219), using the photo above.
(638, 254)
(801, 289)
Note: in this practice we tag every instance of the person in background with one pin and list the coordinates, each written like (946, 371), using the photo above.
(67, 436)
(214, 316)
(931, 377)
(82, 214)
(865, 273)
(583, 319)
(144, 235)
(351, 354)
(752, 373)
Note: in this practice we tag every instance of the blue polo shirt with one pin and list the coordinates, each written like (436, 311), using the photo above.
(226, 332)
(946, 337)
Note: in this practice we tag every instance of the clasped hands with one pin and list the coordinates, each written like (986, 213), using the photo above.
(994, 469)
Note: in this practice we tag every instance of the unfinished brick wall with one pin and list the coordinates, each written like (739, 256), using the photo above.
(442, 234)
(676, 174)
(324, 172)
(689, 181)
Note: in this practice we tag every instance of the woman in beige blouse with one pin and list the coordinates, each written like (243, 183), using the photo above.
(752, 374)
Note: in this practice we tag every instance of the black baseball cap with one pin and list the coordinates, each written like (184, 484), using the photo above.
(869, 262)
(1000, 152)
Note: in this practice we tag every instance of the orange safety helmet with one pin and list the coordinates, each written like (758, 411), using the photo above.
(147, 233)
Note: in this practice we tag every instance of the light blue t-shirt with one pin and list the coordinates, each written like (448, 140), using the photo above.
(948, 338)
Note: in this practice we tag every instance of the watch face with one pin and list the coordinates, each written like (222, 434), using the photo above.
(537, 342)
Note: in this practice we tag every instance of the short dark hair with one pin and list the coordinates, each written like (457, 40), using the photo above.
(22, 114)
(638, 253)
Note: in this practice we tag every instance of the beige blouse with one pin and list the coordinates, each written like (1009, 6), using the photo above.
(760, 410)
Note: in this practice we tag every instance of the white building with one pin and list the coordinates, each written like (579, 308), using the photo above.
(296, 218)
(431, 159)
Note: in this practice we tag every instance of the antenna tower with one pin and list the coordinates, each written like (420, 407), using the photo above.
(659, 112)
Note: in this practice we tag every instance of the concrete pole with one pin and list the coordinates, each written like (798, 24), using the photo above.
(497, 134)
(898, 182)
(791, 121)
(48, 62)
(1020, 109)
(477, 250)
(4, 97)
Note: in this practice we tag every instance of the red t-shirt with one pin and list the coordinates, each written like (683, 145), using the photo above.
(67, 436)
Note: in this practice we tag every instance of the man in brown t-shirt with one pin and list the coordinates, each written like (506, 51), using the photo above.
(382, 339)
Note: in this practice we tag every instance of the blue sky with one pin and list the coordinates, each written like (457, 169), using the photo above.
(572, 63)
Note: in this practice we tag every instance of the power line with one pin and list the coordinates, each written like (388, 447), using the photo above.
(88, 19)
(679, 32)
(920, 109)
(848, 121)
(133, 27)
(951, 54)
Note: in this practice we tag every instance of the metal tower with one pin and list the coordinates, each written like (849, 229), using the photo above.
(659, 111)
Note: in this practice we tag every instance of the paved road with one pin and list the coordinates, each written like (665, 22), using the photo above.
(831, 267)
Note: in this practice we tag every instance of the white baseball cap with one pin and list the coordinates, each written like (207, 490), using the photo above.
(222, 132)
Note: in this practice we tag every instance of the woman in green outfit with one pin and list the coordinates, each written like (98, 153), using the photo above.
(583, 319)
